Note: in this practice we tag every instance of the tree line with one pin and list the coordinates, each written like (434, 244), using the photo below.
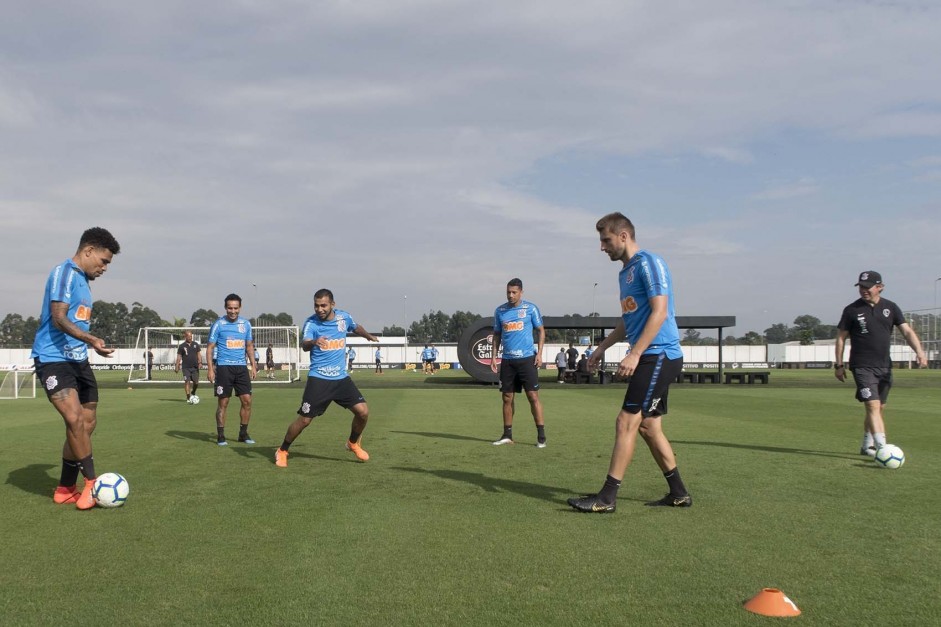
(118, 324)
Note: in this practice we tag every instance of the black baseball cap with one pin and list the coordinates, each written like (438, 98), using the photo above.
(869, 278)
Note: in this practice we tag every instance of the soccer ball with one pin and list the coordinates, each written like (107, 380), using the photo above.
(194, 399)
(890, 456)
(110, 490)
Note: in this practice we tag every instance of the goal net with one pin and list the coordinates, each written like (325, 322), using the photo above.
(17, 382)
(154, 358)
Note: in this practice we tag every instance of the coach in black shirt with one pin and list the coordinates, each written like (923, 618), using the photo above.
(868, 323)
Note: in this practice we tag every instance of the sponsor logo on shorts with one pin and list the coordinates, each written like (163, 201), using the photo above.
(305, 408)
(51, 383)
(218, 390)
(654, 403)
(865, 393)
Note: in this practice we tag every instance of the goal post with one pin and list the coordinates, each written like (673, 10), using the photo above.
(154, 357)
(17, 382)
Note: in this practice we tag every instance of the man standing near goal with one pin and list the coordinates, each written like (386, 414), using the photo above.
(328, 381)
(60, 354)
(230, 345)
(654, 361)
(269, 361)
(868, 323)
(513, 324)
(188, 356)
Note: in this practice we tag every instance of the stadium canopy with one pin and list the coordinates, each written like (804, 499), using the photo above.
(475, 347)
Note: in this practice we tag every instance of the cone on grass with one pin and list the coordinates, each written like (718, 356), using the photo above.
(772, 602)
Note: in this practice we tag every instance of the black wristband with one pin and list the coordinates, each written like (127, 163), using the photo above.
(837, 366)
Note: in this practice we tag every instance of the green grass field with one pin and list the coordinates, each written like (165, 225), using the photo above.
(441, 528)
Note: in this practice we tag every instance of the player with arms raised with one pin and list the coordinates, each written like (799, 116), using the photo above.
(328, 381)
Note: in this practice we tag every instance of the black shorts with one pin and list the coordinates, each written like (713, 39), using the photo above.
(62, 375)
(191, 374)
(319, 393)
(650, 385)
(232, 377)
(517, 375)
(428, 361)
(872, 384)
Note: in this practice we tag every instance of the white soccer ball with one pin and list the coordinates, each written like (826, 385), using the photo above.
(110, 490)
(194, 399)
(890, 456)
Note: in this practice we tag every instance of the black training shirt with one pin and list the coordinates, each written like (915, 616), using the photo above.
(870, 331)
(188, 352)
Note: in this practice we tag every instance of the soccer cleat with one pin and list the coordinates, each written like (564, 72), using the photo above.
(503, 441)
(357, 450)
(86, 500)
(222, 442)
(246, 439)
(541, 444)
(871, 451)
(189, 401)
(65, 494)
(590, 504)
(281, 458)
(671, 501)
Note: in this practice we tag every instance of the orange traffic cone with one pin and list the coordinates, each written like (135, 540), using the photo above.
(772, 602)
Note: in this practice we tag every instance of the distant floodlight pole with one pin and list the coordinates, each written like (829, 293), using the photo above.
(934, 313)
(592, 314)
(256, 304)
(405, 326)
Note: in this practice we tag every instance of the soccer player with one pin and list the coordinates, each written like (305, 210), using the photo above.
(427, 362)
(231, 344)
(350, 356)
(648, 322)
(378, 360)
(868, 323)
(269, 361)
(433, 355)
(513, 324)
(60, 354)
(188, 356)
(328, 381)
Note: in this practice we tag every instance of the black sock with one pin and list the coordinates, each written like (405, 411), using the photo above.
(220, 432)
(508, 433)
(541, 433)
(243, 430)
(69, 472)
(285, 445)
(354, 435)
(609, 491)
(677, 487)
(87, 466)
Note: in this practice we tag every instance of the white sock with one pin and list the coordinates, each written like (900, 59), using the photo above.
(867, 440)
(880, 439)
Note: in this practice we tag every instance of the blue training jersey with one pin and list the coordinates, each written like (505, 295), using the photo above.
(515, 326)
(68, 284)
(231, 339)
(328, 363)
(646, 275)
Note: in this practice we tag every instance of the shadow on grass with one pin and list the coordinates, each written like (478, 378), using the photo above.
(496, 485)
(770, 449)
(199, 436)
(442, 436)
(33, 479)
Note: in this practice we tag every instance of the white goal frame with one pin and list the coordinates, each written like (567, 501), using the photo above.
(164, 341)
(17, 382)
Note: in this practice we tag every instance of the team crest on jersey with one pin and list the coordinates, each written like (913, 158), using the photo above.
(241, 327)
(630, 275)
(51, 382)
(341, 325)
(521, 313)
(886, 312)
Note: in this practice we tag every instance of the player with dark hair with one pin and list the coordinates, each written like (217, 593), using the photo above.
(654, 361)
(188, 356)
(60, 354)
(513, 324)
(269, 360)
(868, 323)
(229, 346)
(328, 381)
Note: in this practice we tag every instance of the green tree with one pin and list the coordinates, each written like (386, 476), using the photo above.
(752, 339)
(110, 322)
(432, 327)
(691, 337)
(777, 333)
(203, 318)
(460, 321)
(12, 331)
(274, 320)
(393, 331)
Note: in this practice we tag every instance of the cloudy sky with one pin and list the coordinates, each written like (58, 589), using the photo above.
(414, 155)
